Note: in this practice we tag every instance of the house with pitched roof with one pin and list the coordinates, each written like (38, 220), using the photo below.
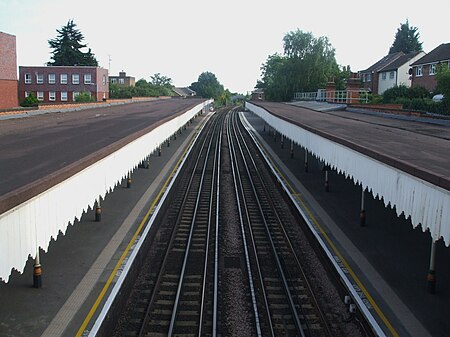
(424, 69)
(392, 70)
(396, 73)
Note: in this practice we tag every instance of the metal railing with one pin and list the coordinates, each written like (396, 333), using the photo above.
(336, 96)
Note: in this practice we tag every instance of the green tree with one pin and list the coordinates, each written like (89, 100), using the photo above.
(406, 39)
(67, 48)
(29, 101)
(275, 78)
(84, 97)
(208, 86)
(159, 80)
(443, 84)
(306, 65)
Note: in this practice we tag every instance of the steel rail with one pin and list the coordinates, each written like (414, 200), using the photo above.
(266, 226)
(215, 174)
(241, 209)
(216, 242)
(289, 244)
(167, 253)
(188, 246)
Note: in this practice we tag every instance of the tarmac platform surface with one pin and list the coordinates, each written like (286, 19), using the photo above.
(55, 146)
(79, 264)
(389, 256)
(420, 149)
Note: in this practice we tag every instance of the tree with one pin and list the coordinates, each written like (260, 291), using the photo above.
(443, 84)
(161, 81)
(208, 86)
(307, 65)
(67, 48)
(406, 39)
(30, 101)
(84, 97)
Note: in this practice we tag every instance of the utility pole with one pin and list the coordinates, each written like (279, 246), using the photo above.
(109, 64)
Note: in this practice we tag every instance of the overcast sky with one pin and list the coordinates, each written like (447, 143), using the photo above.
(181, 39)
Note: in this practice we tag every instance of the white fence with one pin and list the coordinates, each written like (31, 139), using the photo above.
(337, 96)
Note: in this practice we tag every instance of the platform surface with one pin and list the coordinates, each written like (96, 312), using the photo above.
(388, 255)
(57, 145)
(420, 149)
(78, 264)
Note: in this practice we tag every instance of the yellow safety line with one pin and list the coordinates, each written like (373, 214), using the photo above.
(130, 244)
(336, 251)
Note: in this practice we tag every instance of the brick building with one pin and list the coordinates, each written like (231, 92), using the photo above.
(370, 76)
(424, 70)
(122, 80)
(61, 84)
(8, 71)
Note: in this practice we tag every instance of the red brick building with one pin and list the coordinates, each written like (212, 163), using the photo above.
(424, 70)
(8, 71)
(59, 84)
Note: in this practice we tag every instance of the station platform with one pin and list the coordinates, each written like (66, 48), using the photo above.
(81, 267)
(388, 256)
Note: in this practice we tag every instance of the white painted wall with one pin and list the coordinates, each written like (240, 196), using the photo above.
(387, 83)
(401, 76)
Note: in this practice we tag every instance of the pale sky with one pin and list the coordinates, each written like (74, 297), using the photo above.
(232, 39)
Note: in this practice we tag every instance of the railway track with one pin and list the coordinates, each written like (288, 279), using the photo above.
(223, 261)
(286, 302)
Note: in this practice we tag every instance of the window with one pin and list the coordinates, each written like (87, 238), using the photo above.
(432, 70)
(51, 78)
(383, 76)
(74, 95)
(63, 78)
(113, 80)
(52, 96)
(419, 71)
(39, 78)
(27, 93)
(27, 78)
(392, 75)
(104, 78)
(87, 79)
(369, 78)
(40, 95)
(121, 81)
(75, 79)
(63, 96)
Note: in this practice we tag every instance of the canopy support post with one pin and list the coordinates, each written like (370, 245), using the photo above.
(362, 213)
(37, 271)
(431, 277)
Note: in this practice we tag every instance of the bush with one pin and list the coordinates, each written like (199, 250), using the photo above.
(426, 105)
(30, 101)
(443, 84)
(393, 94)
(84, 97)
(418, 92)
(375, 99)
(390, 95)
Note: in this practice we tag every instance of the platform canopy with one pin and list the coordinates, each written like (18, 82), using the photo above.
(426, 204)
(32, 224)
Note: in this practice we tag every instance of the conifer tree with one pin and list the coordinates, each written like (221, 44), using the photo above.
(67, 48)
(406, 39)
